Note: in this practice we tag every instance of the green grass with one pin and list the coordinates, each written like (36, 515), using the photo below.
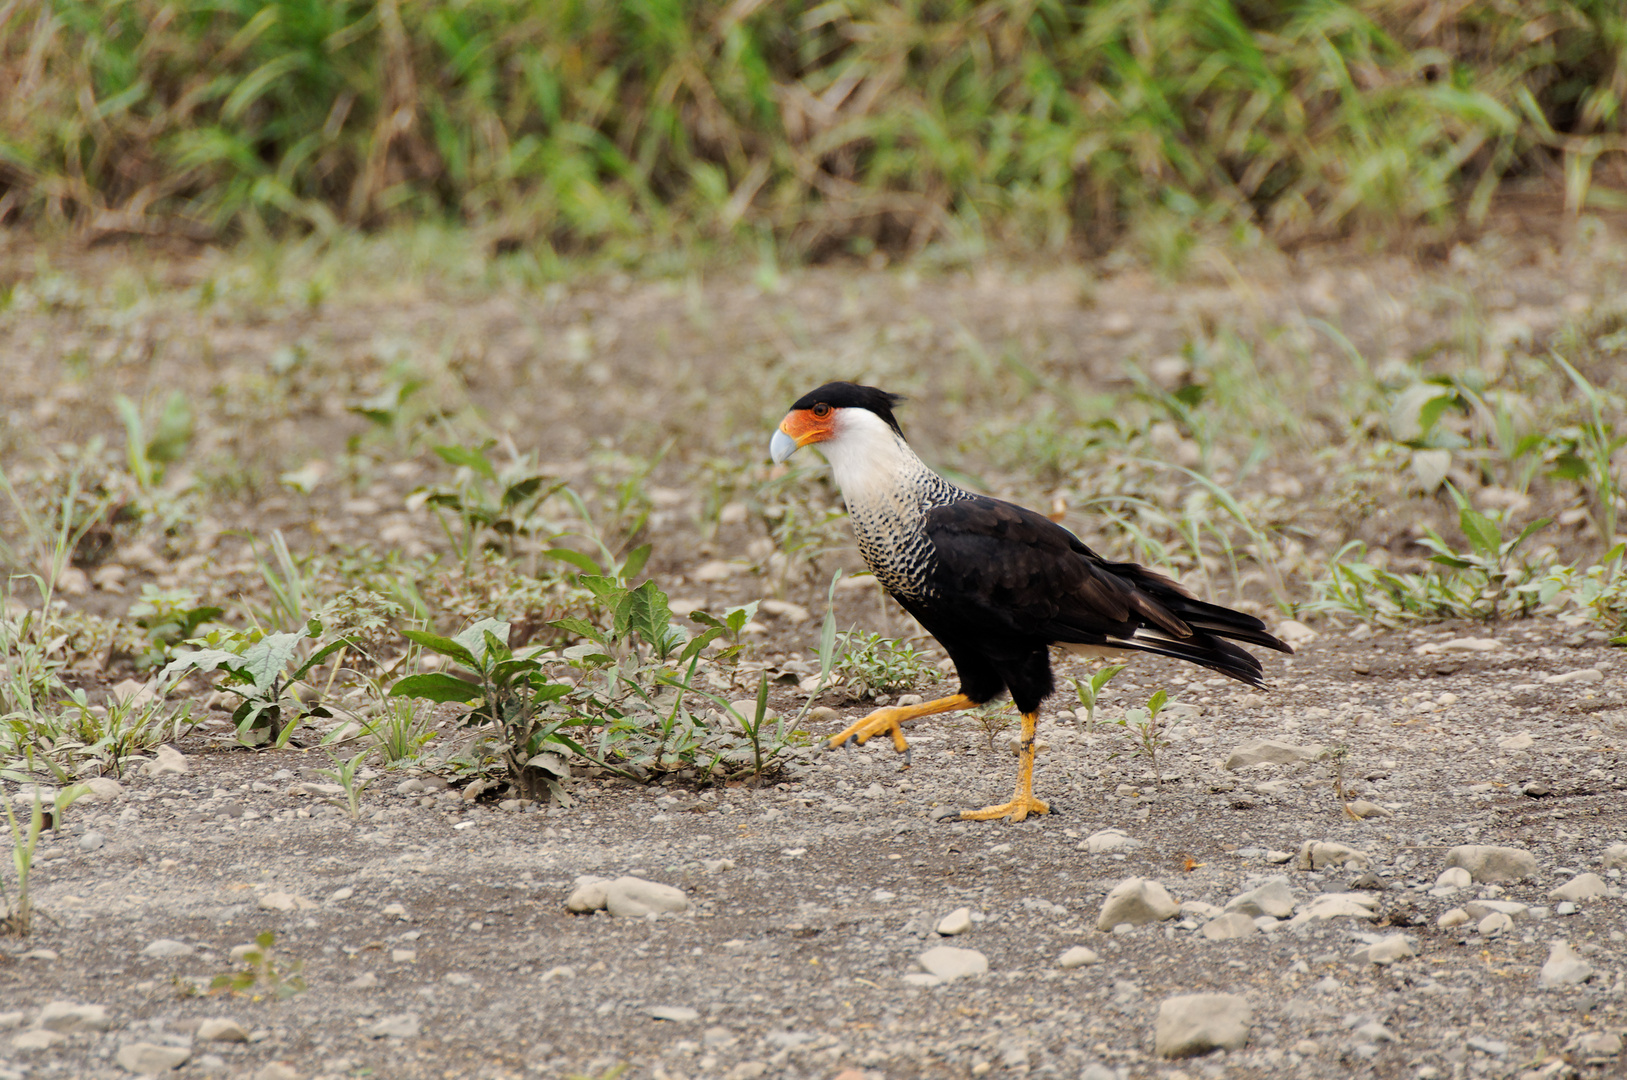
(566, 125)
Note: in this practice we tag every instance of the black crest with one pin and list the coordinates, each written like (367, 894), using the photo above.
(846, 395)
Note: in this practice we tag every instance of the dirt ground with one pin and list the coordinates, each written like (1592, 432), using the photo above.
(432, 935)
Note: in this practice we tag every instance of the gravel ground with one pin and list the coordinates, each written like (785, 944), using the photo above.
(435, 939)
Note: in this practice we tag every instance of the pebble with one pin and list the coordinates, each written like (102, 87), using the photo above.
(221, 1029)
(282, 901)
(1566, 908)
(12, 1020)
(1515, 742)
(1273, 898)
(1494, 1047)
(1374, 1032)
(1564, 967)
(1078, 957)
(38, 1039)
(1597, 1044)
(145, 1057)
(1315, 854)
(1361, 809)
(1481, 908)
(1615, 857)
(1192, 1024)
(588, 895)
(1581, 675)
(562, 972)
(164, 949)
(1487, 863)
(1229, 927)
(1136, 901)
(365, 981)
(339, 896)
(399, 1026)
(1581, 887)
(1109, 840)
(784, 609)
(1496, 923)
(68, 1016)
(91, 841)
(167, 761)
(1466, 644)
(1386, 951)
(748, 1070)
(631, 897)
(403, 956)
(1295, 633)
(677, 1014)
(1453, 917)
(1454, 877)
(1271, 751)
(956, 922)
(103, 789)
(276, 1070)
(1335, 906)
(1307, 1048)
(946, 963)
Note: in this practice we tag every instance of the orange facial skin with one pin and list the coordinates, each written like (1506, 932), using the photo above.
(805, 426)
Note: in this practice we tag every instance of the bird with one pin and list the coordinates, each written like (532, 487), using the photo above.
(996, 584)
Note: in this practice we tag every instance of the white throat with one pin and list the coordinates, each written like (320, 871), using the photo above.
(870, 461)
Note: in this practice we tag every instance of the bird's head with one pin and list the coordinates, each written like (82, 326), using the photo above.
(836, 413)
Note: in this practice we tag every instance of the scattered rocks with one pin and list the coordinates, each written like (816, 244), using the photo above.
(145, 1057)
(1296, 633)
(164, 949)
(946, 963)
(1272, 898)
(67, 1017)
(103, 789)
(1487, 863)
(1272, 751)
(1136, 901)
(399, 1026)
(1581, 887)
(1229, 927)
(1564, 967)
(1078, 957)
(1315, 854)
(167, 761)
(221, 1029)
(956, 922)
(631, 897)
(1193, 1024)
(1386, 951)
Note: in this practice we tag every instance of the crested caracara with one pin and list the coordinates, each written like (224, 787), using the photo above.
(996, 584)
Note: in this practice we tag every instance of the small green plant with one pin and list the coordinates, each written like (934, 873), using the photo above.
(149, 452)
(487, 505)
(729, 627)
(994, 718)
(290, 580)
(1487, 573)
(872, 664)
(1337, 757)
(1145, 734)
(169, 616)
(1586, 452)
(17, 911)
(263, 972)
(400, 731)
(1090, 690)
(344, 773)
(266, 672)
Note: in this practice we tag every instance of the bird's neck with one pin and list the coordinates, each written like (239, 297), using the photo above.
(879, 471)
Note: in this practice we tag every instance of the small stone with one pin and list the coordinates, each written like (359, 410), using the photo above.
(1109, 840)
(38, 1039)
(1494, 1047)
(164, 949)
(1536, 789)
(1495, 923)
(1599, 1044)
(631, 897)
(339, 896)
(10, 1021)
(1272, 751)
(956, 922)
(399, 1026)
(947, 963)
(145, 1057)
(1564, 967)
(365, 981)
(1487, 863)
(167, 761)
(1481, 908)
(1277, 858)
(103, 789)
(91, 841)
(221, 1029)
(282, 901)
(1515, 742)
(748, 1070)
(1386, 951)
(1295, 633)
(1581, 887)
(1566, 908)
(1273, 898)
(1307, 1048)
(1315, 854)
(1136, 901)
(1361, 809)
(1615, 857)
(1458, 645)
(68, 1017)
(717, 866)
(403, 956)
(784, 609)
(1453, 917)
(1454, 877)
(1374, 1032)
(1335, 906)
(562, 972)
(677, 1014)
(1078, 957)
(1193, 1024)
(588, 895)
(276, 1070)
(1231, 926)
(1581, 675)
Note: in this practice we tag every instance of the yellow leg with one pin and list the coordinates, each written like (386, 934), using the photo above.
(1023, 802)
(889, 719)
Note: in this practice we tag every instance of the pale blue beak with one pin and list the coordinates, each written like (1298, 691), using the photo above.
(781, 446)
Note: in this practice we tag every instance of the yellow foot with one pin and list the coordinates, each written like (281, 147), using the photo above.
(882, 720)
(1016, 810)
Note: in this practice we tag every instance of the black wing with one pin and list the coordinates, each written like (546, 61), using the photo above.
(1011, 572)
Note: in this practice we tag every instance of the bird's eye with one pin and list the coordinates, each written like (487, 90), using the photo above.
(821, 410)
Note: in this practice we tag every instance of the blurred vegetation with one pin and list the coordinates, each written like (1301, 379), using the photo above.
(840, 126)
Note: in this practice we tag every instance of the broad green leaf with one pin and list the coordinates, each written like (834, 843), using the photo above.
(649, 616)
(435, 686)
(445, 646)
(635, 561)
(207, 660)
(519, 492)
(580, 628)
(574, 558)
(469, 459)
(320, 655)
(265, 660)
(474, 638)
(1481, 532)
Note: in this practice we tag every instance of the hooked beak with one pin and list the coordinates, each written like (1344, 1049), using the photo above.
(781, 446)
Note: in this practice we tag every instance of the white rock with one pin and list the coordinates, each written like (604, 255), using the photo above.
(1515, 742)
(149, 1058)
(1273, 898)
(1387, 950)
(167, 762)
(164, 948)
(1453, 917)
(282, 901)
(1077, 957)
(1361, 810)
(1336, 906)
(1564, 967)
(10, 1021)
(956, 922)
(588, 895)
(103, 789)
(1481, 908)
(1615, 857)
(1454, 877)
(1295, 633)
(274, 1070)
(784, 609)
(221, 1029)
(1459, 645)
(947, 963)
(1581, 887)
(677, 1014)
(1488, 863)
(1275, 751)
(1599, 1044)
(1200, 910)
(1582, 675)
(1315, 854)
(68, 1016)
(38, 1039)
(399, 1026)
(631, 897)
(1228, 927)
(1494, 924)
(1136, 901)
(1198, 1023)
(1109, 840)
